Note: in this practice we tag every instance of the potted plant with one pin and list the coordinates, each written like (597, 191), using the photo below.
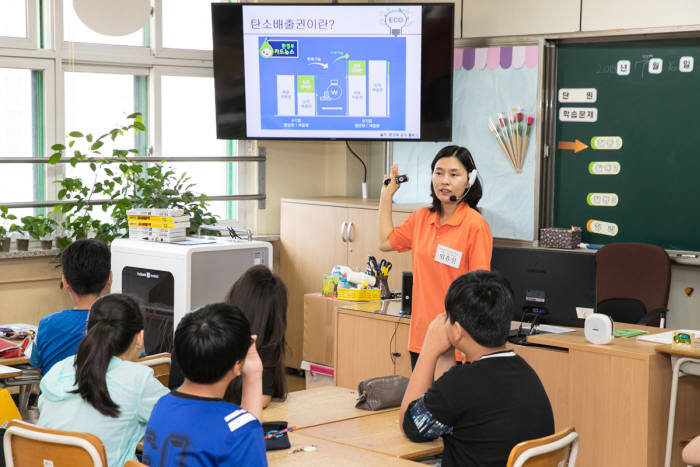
(126, 183)
(5, 217)
(21, 235)
(40, 228)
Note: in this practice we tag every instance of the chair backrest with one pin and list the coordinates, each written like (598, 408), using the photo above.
(28, 445)
(636, 272)
(557, 450)
(8, 409)
(160, 363)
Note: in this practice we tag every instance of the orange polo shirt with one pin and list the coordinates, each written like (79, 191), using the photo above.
(467, 232)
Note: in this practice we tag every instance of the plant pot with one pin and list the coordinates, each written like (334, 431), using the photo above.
(58, 241)
(5, 244)
(46, 244)
(22, 244)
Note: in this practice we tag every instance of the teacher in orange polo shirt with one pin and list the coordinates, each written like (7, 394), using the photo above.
(448, 239)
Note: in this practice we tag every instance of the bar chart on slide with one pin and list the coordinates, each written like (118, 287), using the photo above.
(351, 80)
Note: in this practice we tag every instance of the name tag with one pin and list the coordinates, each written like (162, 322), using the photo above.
(448, 256)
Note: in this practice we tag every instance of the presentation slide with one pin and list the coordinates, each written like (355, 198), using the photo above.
(332, 72)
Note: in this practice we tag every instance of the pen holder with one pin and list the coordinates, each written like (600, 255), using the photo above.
(384, 287)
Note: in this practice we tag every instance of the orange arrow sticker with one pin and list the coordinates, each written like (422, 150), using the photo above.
(576, 145)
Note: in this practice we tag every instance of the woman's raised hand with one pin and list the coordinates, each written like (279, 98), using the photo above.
(390, 188)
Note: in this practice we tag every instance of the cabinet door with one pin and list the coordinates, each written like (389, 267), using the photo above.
(597, 15)
(363, 348)
(519, 17)
(310, 245)
(364, 242)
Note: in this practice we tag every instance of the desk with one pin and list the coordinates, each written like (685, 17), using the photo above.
(616, 396)
(366, 335)
(14, 361)
(380, 433)
(685, 361)
(330, 453)
(316, 406)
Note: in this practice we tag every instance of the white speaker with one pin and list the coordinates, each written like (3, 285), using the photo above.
(598, 328)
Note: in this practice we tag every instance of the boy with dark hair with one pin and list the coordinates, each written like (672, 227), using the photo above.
(483, 408)
(193, 425)
(86, 276)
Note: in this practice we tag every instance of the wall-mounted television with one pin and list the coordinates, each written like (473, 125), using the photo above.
(333, 71)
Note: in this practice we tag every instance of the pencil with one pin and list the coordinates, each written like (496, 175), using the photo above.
(493, 129)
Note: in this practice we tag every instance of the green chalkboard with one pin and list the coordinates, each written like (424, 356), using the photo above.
(639, 178)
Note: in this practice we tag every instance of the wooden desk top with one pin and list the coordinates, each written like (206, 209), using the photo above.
(14, 361)
(681, 351)
(380, 433)
(316, 406)
(622, 346)
(11, 374)
(329, 453)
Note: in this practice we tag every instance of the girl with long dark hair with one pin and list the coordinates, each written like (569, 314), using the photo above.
(101, 390)
(262, 296)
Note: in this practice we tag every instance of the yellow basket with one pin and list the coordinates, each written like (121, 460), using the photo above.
(359, 295)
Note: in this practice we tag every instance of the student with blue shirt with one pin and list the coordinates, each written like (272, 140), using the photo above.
(193, 426)
(86, 276)
(102, 390)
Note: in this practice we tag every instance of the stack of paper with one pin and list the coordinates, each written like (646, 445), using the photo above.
(666, 337)
(158, 225)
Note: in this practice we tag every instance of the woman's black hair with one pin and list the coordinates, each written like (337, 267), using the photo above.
(464, 156)
(262, 296)
(210, 340)
(113, 322)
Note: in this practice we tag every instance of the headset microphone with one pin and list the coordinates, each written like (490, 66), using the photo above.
(471, 178)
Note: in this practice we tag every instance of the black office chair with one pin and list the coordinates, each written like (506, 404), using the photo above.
(632, 283)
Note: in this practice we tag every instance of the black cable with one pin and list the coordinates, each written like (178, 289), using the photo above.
(364, 178)
(393, 354)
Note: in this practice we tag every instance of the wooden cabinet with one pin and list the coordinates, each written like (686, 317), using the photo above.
(317, 234)
(599, 15)
(520, 17)
(369, 345)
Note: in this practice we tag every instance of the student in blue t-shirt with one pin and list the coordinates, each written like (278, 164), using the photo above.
(193, 425)
(86, 276)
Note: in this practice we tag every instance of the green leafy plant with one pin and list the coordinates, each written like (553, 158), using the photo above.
(5, 217)
(125, 183)
(38, 227)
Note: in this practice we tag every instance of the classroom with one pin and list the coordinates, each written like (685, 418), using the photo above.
(219, 148)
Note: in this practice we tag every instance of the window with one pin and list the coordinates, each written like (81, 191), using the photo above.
(101, 80)
(187, 24)
(189, 128)
(16, 139)
(13, 20)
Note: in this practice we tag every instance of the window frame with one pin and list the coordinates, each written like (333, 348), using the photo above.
(54, 56)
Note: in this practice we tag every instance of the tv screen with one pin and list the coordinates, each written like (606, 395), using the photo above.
(558, 281)
(361, 71)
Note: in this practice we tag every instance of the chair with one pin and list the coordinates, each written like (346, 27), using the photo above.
(8, 409)
(555, 450)
(632, 283)
(28, 445)
(160, 363)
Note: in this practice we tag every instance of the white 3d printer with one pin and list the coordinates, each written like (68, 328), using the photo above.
(172, 279)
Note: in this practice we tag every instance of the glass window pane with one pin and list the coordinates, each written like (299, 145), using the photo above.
(89, 109)
(16, 119)
(74, 30)
(189, 129)
(13, 18)
(187, 24)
